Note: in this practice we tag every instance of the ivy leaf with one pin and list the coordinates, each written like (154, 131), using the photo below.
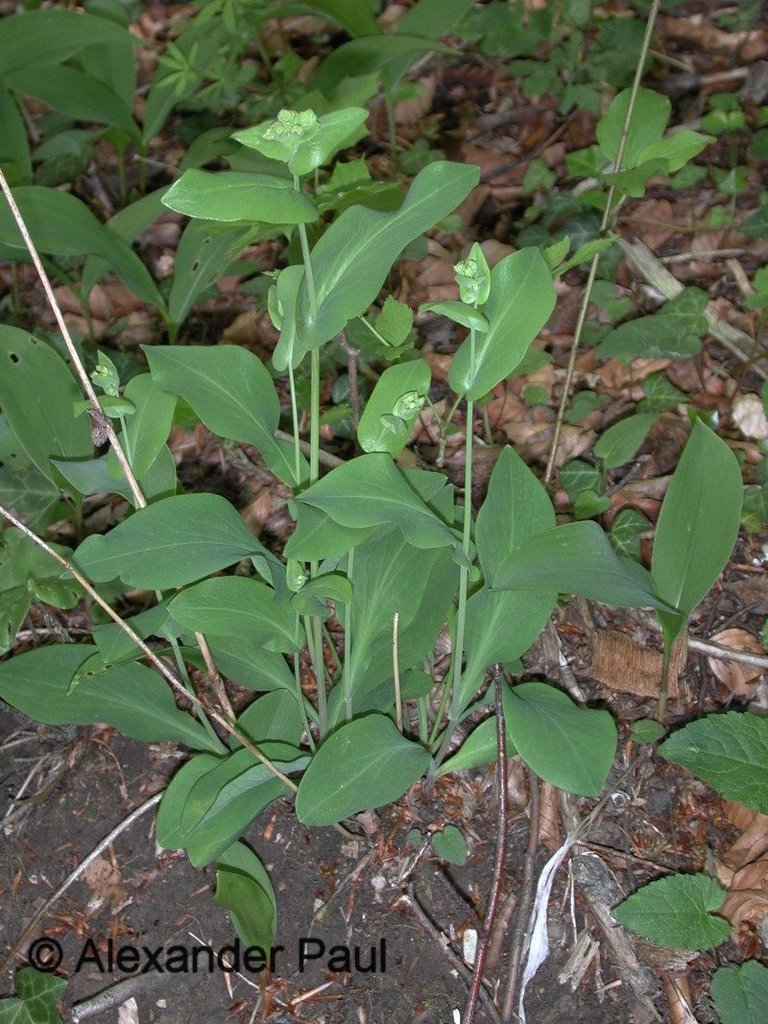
(741, 993)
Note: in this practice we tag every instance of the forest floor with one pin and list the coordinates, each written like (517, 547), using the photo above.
(398, 910)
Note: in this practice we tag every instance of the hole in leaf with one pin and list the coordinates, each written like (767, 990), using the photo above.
(195, 266)
(14, 357)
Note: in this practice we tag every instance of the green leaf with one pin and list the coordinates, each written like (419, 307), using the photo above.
(203, 255)
(699, 521)
(370, 491)
(50, 37)
(317, 536)
(75, 93)
(303, 140)
(500, 626)
(352, 259)
(147, 429)
(521, 301)
(224, 799)
(658, 336)
(677, 149)
(15, 153)
(44, 429)
(480, 747)
(131, 698)
(232, 392)
(237, 196)
(39, 993)
(577, 559)
(235, 606)
(275, 716)
(395, 321)
(585, 253)
(628, 526)
(392, 409)
(741, 993)
(29, 490)
(363, 764)
(729, 752)
(173, 542)
(243, 888)
(677, 912)
(449, 844)
(355, 17)
(62, 225)
(102, 475)
(569, 746)
(458, 312)
(577, 476)
(622, 441)
(516, 508)
(647, 730)
(649, 119)
(248, 664)
(371, 53)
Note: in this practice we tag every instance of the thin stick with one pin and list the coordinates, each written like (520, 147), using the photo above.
(147, 651)
(73, 877)
(527, 891)
(606, 219)
(396, 669)
(215, 676)
(727, 654)
(102, 419)
(498, 863)
(439, 937)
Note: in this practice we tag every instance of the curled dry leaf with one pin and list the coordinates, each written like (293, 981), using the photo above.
(753, 841)
(747, 899)
(106, 885)
(622, 664)
(740, 679)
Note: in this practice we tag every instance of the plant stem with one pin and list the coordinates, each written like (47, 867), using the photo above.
(606, 220)
(396, 670)
(315, 647)
(181, 668)
(346, 677)
(300, 698)
(295, 421)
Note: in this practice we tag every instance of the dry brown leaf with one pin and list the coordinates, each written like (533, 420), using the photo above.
(621, 664)
(753, 842)
(740, 679)
(104, 881)
(550, 832)
(747, 899)
(679, 999)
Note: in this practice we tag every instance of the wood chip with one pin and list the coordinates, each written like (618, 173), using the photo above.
(622, 664)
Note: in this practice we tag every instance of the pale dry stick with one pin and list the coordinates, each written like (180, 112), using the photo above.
(77, 873)
(147, 651)
(605, 221)
(115, 995)
(396, 670)
(99, 414)
(468, 1016)
(727, 654)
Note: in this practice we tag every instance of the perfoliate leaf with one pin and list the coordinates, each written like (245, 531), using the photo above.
(730, 752)
(677, 912)
(649, 119)
(238, 196)
(393, 407)
(354, 256)
(363, 764)
(521, 301)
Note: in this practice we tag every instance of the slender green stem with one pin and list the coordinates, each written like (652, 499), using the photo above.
(315, 647)
(314, 423)
(181, 668)
(301, 699)
(126, 440)
(346, 676)
(295, 421)
(421, 707)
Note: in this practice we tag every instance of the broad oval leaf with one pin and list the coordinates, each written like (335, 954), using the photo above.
(244, 888)
(175, 541)
(352, 259)
(370, 491)
(699, 521)
(521, 301)
(52, 36)
(577, 558)
(230, 389)
(44, 429)
(622, 441)
(570, 747)
(649, 119)
(399, 395)
(677, 912)
(516, 508)
(75, 93)
(235, 606)
(148, 427)
(459, 312)
(132, 698)
(729, 752)
(237, 196)
(479, 748)
(364, 764)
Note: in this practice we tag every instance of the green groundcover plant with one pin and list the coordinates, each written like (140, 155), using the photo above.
(382, 549)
